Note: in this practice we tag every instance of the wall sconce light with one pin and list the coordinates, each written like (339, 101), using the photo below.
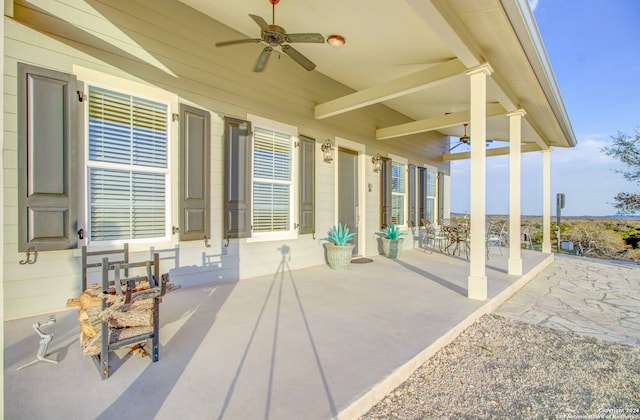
(327, 151)
(377, 162)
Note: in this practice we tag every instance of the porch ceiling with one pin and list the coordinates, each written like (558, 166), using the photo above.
(384, 45)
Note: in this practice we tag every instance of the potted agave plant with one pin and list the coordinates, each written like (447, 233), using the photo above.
(338, 249)
(391, 241)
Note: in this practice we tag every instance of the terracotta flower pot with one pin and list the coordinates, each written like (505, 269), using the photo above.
(392, 247)
(339, 257)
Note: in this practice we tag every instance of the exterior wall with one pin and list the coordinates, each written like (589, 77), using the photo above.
(169, 46)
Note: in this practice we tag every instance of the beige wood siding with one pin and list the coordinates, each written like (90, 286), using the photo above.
(170, 46)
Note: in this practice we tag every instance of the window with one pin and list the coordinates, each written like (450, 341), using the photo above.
(272, 180)
(127, 167)
(431, 196)
(427, 194)
(398, 193)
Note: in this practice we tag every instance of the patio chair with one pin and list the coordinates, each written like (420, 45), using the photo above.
(433, 236)
(93, 259)
(496, 235)
(525, 237)
(119, 298)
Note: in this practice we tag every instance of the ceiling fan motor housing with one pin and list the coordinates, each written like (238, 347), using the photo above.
(274, 35)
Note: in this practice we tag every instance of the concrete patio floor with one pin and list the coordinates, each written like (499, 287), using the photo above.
(311, 343)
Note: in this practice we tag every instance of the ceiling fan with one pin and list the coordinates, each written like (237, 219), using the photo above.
(465, 139)
(276, 36)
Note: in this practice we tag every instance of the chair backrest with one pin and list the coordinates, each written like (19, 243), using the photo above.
(121, 273)
(525, 236)
(496, 232)
(93, 259)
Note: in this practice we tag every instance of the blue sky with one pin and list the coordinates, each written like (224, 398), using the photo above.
(594, 49)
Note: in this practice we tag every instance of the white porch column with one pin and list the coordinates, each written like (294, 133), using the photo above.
(3, 8)
(477, 281)
(546, 201)
(515, 187)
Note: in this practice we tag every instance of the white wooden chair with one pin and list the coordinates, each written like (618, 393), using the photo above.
(496, 235)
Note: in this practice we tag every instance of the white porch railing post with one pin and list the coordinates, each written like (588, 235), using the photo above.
(477, 280)
(546, 201)
(515, 138)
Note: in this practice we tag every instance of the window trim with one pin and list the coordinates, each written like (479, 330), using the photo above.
(405, 162)
(115, 84)
(424, 197)
(292, 231)
(433, 197)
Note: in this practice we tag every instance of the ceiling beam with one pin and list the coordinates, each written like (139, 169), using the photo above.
(435, 123)
(391, 89)
(498, 151)
(438, 16)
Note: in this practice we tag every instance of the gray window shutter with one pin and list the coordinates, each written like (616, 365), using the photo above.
(385, 193)
(195, 138)
(307, 185)
(440, 195)
(47, 166)
(237, 180)
(412, 195)
(423, 194)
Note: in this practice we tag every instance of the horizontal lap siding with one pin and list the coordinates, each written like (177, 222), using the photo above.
(177, 43)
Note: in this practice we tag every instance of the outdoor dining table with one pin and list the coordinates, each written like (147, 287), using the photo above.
(457, 238)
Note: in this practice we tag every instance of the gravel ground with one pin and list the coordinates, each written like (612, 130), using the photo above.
(502, 368)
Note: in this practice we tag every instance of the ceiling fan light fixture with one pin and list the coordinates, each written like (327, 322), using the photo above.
(465, 139)
(336, 40)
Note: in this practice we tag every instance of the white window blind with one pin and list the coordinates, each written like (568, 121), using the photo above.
(127, 166)
(398, 192)
(272, 180)
(431, 196)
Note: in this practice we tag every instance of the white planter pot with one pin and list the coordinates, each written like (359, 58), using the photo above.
(392, 248)
(339, 257)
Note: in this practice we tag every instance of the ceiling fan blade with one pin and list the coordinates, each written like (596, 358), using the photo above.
(262, 59)
(237, 41)
(455, 146)
(318, 38)
(298, 58)
(261, 22)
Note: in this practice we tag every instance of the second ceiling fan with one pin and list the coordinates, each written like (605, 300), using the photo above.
(275, 36)
(465, 139)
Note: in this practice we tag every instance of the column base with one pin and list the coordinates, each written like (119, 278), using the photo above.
(515, 266)
(477, 288)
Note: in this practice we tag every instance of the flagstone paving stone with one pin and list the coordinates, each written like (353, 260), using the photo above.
(586, 296)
